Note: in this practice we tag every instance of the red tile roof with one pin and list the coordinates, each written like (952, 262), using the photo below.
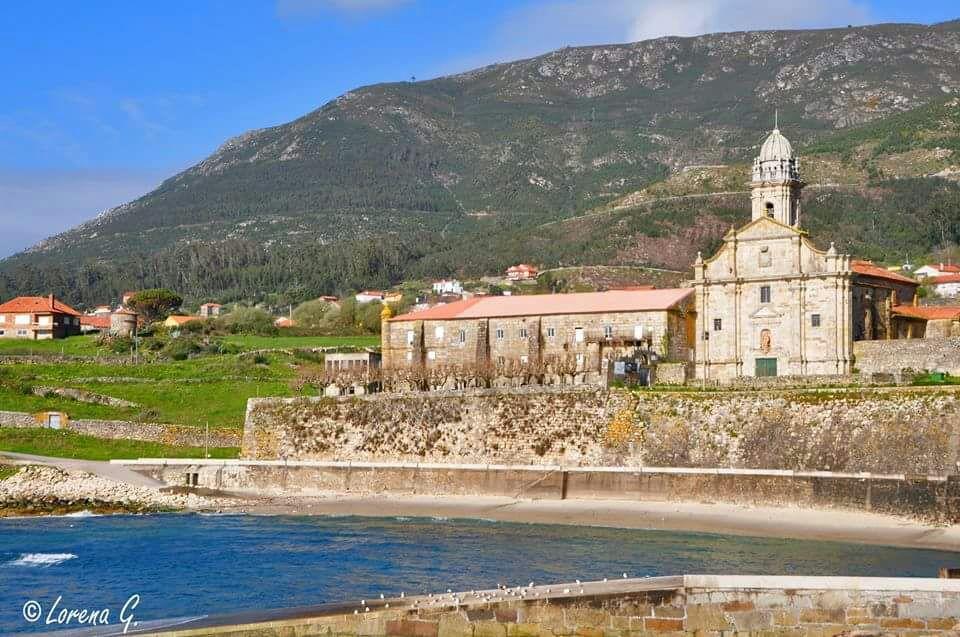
(928, 312)
(945, 278)
(869, 268)
(38, 305)
(522, 267)
(98, 322)
(544, 304)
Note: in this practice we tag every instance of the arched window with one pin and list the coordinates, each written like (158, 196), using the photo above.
(769, 208)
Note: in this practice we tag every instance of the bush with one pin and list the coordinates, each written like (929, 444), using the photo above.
(182, 348)
(251, 321)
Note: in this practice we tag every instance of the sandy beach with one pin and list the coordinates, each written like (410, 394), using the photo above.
(808, 524)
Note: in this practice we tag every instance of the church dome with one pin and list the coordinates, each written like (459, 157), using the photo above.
(776, 147)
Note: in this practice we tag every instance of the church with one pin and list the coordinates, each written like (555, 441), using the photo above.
(770, 303)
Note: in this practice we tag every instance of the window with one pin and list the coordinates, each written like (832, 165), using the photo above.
(769, 208)
(462, 336)
(409, 356)
(524, 359)
(500, 334)
(717, 325)
(608, 331)
(44, 320)
(2, 332)
(638, 332)
(579, 361)
(3, 319)
(431, 355)
(765, 294)
(523, 332)
(409, 337)
(815, 320)
(438, 332)
(22, 319)
(551, 332)
(578, 335)
(23, 332)
(501, 361)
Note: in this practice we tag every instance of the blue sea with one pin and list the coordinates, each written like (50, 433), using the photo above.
(189, 565)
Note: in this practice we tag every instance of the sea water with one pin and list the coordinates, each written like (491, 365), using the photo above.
(189, 565)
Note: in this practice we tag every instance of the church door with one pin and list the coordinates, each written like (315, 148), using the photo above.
(766, 367)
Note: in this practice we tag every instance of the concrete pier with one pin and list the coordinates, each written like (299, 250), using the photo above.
(688, 605)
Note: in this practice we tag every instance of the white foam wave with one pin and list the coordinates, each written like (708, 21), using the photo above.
(41, 559)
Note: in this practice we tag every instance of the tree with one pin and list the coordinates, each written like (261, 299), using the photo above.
(314, 315)
(155, 304)
(251, 321)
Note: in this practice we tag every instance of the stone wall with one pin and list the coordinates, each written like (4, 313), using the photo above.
(918, 354)
(689, 605)
(884, 431)
(177, 435)
(932, 499)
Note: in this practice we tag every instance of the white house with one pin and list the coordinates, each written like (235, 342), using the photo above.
(946, 284)
(936, 270)
(447, 286)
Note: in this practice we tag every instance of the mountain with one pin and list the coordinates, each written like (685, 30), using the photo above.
(628, 154)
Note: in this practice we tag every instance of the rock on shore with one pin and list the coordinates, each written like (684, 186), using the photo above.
(42, 489)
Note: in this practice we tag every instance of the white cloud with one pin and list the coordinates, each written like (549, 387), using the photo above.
(305, 7)
(544, 25)
(35, 205)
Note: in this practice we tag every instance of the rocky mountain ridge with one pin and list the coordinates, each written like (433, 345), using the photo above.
(514, 145)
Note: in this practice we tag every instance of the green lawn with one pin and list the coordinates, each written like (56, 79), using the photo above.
(68, 444)
(292, 342)
(73, 346)
(208, 389)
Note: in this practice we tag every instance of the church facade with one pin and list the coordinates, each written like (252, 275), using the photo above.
(770, 303)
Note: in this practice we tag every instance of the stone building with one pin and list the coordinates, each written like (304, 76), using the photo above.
(581, 331)
(770, 303)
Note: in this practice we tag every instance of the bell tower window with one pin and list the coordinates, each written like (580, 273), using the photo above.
(768, 208)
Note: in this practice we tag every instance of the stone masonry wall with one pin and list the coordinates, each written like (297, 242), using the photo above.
(881, 431)
(689, 605)
(918, 354)
(177, 435)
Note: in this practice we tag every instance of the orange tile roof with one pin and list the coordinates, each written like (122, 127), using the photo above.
(38, 305)
(99, 322)
(928, 312)
(544, 304)
(869, 268)
(945, 278)
(180, 320)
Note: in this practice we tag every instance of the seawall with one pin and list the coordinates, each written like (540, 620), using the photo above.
(694, 605)
(930, 498)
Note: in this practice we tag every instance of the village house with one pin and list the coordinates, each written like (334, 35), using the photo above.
(447, 286)
(369, 296)
(944, 284)
(210, 310)
(38, 318)
(284, 322)
(522, 272)
(936, 270)
(582, 332)
(176, 320)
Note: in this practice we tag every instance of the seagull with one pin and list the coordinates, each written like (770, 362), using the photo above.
(402, 594)
(388, 603)
(566, 590)
(367, 609)
(624, 576)
(381, 595)
(578, 582)
(604, 579)
(363, 602)
(355, 611)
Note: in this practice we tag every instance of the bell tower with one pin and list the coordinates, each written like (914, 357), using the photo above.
(776, 184)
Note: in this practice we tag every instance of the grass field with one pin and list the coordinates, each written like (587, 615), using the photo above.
(210, 388)
(292, 342)
(73, 346)
(68, 444)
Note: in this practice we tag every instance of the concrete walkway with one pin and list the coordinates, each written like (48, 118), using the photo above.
(115, 472)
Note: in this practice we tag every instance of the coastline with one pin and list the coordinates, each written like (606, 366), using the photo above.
(696, 517)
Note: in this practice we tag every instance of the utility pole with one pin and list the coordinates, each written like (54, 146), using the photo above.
(206, 439)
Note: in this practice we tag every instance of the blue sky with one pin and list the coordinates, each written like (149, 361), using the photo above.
(102, 100)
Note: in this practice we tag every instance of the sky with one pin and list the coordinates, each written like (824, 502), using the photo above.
(100, 101)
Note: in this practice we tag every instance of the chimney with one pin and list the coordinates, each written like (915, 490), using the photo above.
(51, 302)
